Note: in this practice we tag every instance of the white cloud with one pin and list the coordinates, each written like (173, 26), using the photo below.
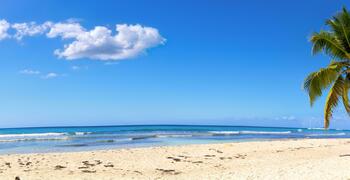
(29, 29)
(50, 75)
(77, 68)
(111, 63)
(65, 30)
(99, 43)
(4, 26)
(29, 72)
(286, 118)
(36, 73)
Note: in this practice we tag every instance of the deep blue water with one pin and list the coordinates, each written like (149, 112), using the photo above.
(57, 139)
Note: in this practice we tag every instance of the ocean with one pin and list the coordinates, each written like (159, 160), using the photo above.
(66, 139)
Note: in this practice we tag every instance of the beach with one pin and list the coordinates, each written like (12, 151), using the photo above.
(277, 159)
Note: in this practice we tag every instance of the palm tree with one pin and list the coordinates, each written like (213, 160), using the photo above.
(336, 76)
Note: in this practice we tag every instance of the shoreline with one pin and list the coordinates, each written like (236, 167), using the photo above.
(168, 145)
(162, 146)
(276, 159)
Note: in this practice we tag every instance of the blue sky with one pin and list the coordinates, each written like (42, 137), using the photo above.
(173, 62)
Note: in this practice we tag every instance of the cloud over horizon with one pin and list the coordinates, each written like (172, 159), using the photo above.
(99, 43)
(4, 26)
(29, 72)
(29, 29)
(50, 75)
(42, 75)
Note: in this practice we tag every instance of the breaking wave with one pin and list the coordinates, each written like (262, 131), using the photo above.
(248, 132)
(328, 134)
(34, 139)
(31, 135)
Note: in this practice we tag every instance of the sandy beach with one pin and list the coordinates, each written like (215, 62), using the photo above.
(283, 159)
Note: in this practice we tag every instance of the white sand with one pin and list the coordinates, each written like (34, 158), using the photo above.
(289, 159)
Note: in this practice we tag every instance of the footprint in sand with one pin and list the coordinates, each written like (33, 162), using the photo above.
(58, 167)
(182, 156)
(98, 162)
(168, 171)
(240, 156)
(197, 162)
(83, 167)
(108, 165)
(8, 164)
(138, 172)
(223, 158)
(88, 171)
(208, 155)
(174, 159)
(218, 151)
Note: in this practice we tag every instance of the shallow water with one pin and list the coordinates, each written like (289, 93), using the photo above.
(61, 139)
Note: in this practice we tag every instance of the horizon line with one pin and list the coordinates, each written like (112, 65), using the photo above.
(130, 125)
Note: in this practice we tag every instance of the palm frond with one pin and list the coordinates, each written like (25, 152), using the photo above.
(327, 42)
(334, 94)
(340, 26)
(317, 81)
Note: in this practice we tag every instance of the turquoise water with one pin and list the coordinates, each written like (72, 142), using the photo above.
(58, 139)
